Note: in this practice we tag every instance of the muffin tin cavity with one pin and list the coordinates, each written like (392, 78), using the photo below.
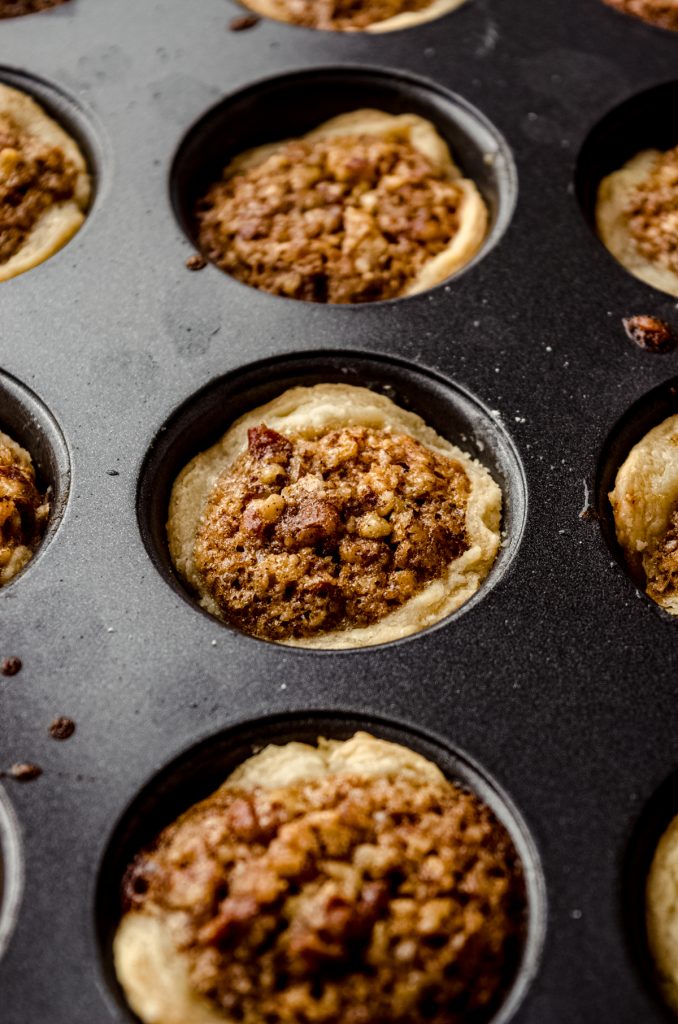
(28, 422)
(645, 121)
(200, 770)
(291, 105)
(446, 407)
(11, 871)
(652, 409)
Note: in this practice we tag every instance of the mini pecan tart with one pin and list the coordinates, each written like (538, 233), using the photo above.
(23, 509)
(330, 517)
(348, 883)
(369, 206)
(45, 186)
(637, 217)
(645, 506)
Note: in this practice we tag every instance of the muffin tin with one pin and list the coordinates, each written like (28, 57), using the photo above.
(117, 363)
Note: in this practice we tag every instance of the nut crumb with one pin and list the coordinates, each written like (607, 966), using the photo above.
(196, 262)
(62, 728)
(243, 23)
(11, 666)
(650, 334)
(25, 772)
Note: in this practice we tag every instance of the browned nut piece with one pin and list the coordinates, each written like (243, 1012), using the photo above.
(651, 334)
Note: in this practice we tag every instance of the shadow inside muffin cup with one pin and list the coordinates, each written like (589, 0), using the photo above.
(289, 106)
(644, 121)
(200, 770)
(449, 409)
(648, 412)
(28, 422)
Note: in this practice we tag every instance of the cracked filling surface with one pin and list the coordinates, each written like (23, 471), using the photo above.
(652, 207)
(302, 536)
(341, 220)
(33, 178)
(23, 510)
(340, 900)
(663, 13)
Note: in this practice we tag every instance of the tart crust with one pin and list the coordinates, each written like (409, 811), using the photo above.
(314, 411)
(612, 221)
(59, 222)
(644, 497)
(408, 19)
(661, 912)
(423, 136)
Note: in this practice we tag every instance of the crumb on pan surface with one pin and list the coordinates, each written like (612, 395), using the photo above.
(367, 207)
(348, 884)
(661, 913)
(23, 510)
(330, 517)
(15, 8)
(44, 184)
(354, 15)
(663, 13)
(637, 217)
(645, 507)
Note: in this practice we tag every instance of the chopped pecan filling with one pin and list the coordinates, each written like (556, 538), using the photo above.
(14, 8)
(663, 13)
(344, 900)
(653, 211)
(23, 510)
(663, 568)
(33, 177)
(301, 537)
(342, 220)
(347, 14)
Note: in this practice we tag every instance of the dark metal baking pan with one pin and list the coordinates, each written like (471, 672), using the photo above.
(559, 681)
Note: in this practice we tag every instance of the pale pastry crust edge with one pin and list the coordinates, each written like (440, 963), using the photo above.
(661, 912)
(323, 407)
(644, 495)
(60, 222)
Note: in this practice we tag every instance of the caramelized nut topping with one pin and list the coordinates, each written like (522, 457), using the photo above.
(341, 220)
(301, 536)
(345, 900)
(23, 510)
(347, 14)
(650, 333)
(33, 177)
(653, 212)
